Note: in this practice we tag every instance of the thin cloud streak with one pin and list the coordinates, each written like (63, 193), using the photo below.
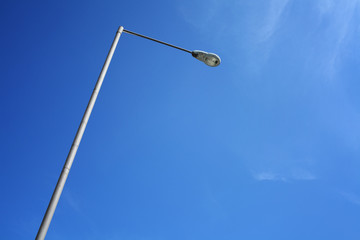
(343, 15)
(302, 174)
(72, 202)
(271, 21)
(268, 176)
(295, 175)
(197, 15)
(351, 197)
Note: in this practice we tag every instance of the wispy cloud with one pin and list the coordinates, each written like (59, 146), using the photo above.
(351, 197)
(263, 29)
(341, 19)
(271, 20)
(71, 201)
(297, 174)
(268, 176)
(302, 174)
(199, 13)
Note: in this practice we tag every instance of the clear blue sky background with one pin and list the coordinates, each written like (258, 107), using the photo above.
(265, 146)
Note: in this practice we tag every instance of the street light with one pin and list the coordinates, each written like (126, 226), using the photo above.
(209, 59)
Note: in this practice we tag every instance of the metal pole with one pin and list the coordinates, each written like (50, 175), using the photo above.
(70, 158)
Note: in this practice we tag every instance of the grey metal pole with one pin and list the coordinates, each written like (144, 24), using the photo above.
(70, 158)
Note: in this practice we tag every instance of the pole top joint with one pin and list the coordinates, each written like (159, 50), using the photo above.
(120, 30)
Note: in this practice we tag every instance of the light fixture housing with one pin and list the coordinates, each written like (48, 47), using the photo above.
(210, 59)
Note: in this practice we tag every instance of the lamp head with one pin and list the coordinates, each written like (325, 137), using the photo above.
(210, 59)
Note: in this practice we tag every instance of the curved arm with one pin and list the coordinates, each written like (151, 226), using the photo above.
(209, 59)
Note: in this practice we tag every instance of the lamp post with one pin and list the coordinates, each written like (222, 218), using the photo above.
(209, 59)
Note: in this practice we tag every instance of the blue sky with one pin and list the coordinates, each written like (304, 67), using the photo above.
(265, 146)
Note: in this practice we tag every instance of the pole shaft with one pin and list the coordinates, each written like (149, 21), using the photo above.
(70, 158)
